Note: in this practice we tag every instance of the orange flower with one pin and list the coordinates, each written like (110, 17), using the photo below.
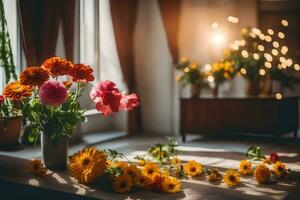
(82, 73)
(57, 66)
(16, 91)
(34, 76)
(262, 174)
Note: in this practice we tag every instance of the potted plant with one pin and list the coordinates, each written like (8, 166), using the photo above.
(10, 123)
(219, 73)
(52, 112)
(191, 75)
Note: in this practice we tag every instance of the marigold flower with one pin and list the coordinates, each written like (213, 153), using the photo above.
(231, 178)
(279, 169)
(131, 170)
(36, 167)
(192, 168)
(34, 76)
(57, 66)
(150, 169)
(53, 93)
(245, 167)
(82, 73)
(171, 185)
(262, 174)
(16, 91)
(122, 184)
(142, 181)
(87, 165)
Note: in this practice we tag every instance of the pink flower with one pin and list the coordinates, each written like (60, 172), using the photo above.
(128, 102)
(53, 93)
(1, 100)
(107, 97)
(274, 157)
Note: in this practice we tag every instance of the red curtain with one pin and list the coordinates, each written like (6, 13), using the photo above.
(124, 19)
(39, 24)
(171, 11)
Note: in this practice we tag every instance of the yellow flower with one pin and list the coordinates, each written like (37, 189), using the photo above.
(122, 184)
(245, 167)
(194, 65)
(192, 168)
(176, 161)
(231, 178)
(150, 169)
(36, 167)
(141, 162)
(171, 185)
(131, 170)
(141, 181)
(279, 168)
(262, 174)
(215, 175)
(87, 165)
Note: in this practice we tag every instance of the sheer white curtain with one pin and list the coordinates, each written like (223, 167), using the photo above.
(10, 9)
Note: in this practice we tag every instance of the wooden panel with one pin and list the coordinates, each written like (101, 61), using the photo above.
(267, 116)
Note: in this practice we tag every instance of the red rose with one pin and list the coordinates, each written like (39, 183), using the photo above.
(274, 157)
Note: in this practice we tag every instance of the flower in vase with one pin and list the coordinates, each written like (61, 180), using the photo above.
(82, 73)
(107, 97)
(34, 76)
(128, 102)
(57, 66)
(16, 91)
(1, 100)
(53, 93)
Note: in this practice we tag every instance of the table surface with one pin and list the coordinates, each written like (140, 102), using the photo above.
(15, 170)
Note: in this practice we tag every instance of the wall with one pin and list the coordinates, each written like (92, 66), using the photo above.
(155, 75)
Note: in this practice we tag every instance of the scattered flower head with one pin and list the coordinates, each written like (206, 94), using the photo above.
(274, 157)
(171, 185)
(192, 168)
(279, 169)
(262, 174)
(122, 184)
(36, 167)
(245, 167)
(231, 178)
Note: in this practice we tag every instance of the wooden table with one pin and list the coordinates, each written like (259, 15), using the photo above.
(265, 115)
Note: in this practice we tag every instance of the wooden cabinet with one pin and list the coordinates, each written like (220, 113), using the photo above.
(264, 115)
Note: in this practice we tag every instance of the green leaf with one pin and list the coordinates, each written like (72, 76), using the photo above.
(255, 152)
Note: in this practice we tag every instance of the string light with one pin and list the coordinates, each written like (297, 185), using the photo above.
(268, 65)
(289, 62)
(268, 38)
(256, 56)
(284, 22)
(245, 54)
(275, 44)
(284, 50)
(262, 36)
(186, 69)
(281, 35)
(262, 72)
(297, 67)
(268, 57)
(233, 19)
(270, 31)
(243, 71)
(278, 95)
(282, 59)
(256, 31)
(207, 67)
(210, 78)
(261, 47)
(218, 39)
(274, 52)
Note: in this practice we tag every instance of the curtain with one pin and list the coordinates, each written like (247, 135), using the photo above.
(170, 11)
(39, 24)
(124, 19)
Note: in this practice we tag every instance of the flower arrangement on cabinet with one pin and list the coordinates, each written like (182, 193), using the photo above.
(190, 74)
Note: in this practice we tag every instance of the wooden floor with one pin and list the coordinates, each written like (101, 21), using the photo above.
(222, 153)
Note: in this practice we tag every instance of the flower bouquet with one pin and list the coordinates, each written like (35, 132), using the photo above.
(191, 74)
(51, 109)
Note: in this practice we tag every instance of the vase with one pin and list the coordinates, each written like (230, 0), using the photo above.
(215, 91)
(195, 91)
(55, 153)
(10, 133)
(253, 88)
(267, 86)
